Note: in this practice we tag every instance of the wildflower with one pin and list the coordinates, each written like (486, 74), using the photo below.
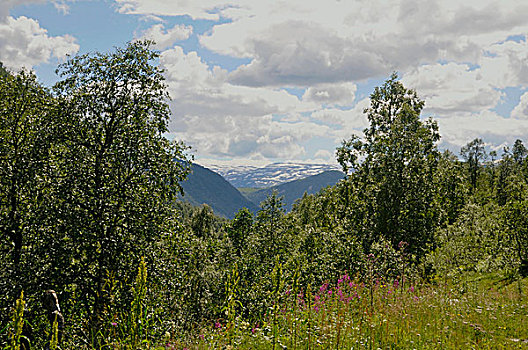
(218, 325)
(411, 289)
(114, 324)
(396, 284)
(201, 336)
(402, 245)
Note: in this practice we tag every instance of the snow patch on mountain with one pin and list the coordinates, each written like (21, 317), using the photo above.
(269, 175)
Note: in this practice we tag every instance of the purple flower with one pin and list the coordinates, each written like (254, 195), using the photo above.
(114, 324)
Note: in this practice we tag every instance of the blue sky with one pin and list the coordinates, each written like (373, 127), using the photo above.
(254, 82)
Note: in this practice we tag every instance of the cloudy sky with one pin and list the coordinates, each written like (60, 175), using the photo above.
(254, 82)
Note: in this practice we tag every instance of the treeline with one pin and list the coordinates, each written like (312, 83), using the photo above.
(89, 186)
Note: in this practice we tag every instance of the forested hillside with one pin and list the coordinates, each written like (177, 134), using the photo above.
(415, 247)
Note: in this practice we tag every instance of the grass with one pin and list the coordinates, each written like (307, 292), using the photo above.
(478, 312)
(471, 311)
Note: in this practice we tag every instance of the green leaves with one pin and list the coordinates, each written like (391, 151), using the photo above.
(393, 168)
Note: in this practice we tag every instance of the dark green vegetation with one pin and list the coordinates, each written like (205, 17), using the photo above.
(416, 239)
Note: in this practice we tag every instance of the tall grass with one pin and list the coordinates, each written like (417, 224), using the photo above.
(355, 314)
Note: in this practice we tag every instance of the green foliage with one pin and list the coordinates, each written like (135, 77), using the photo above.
(90, 188)
(393, 178)
(26, 136)
(474, 153)
(240, 228)
(474, 242)
(516, 225)
(451, 189)
(117, 172)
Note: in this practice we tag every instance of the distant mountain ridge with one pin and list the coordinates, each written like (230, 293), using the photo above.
(293, 190)
(204, 186)
(269, 175)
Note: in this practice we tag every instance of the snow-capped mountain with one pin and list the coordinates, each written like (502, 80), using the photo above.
(269, 175)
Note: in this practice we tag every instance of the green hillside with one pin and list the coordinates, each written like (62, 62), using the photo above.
(206, 186)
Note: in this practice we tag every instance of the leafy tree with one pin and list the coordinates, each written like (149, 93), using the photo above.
(26, 118)
(516, 223)
(394, 167)
(519, 151)
(3, 71)
(474, 153)
(240, 228)
(118, 174)
(269, 222)
(202, 221)
(451, 189)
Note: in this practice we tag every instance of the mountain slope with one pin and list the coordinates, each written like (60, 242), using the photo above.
(294, 190)
(205, 186)
(269, 175)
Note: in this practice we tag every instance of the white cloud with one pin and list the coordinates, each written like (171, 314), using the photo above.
(197, 9)
(520, 112)
(452, 87)
(23, 43)
(304, 43)
(328, 47)
(458, 130)
(342, 94)
(165, 38)
(506, 64)
(220, 119)
(6, 5)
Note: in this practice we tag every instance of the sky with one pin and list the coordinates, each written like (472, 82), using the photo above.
(254, 82)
